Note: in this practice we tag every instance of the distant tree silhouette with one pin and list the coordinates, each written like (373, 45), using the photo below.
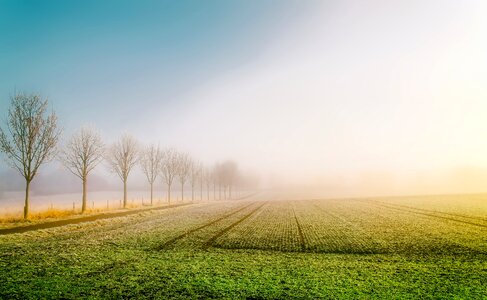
(208, 179)
(194, 176)
(183, 170)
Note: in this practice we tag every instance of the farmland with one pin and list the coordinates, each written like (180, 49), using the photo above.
(428, 247)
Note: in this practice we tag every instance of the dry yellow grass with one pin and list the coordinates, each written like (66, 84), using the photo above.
(135, 205)
(51, 213)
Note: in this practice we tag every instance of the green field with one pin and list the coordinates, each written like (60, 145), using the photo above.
(416, 247)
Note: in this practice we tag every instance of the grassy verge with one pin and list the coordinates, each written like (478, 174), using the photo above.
(53, 215)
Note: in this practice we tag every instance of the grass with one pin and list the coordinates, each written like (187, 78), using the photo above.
(242, 274)
(253, 250)
(8, 220)
(50, 213)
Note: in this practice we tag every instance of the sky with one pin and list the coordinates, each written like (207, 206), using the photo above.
(353, 96)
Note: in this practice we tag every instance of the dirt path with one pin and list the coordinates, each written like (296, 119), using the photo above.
(22, 229)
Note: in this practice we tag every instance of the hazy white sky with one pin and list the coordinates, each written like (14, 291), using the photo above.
(353, 87)
(323, 92)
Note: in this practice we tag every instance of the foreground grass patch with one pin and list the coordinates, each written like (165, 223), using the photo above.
(116, 273)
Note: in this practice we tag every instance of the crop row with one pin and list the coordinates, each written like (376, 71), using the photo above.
(404, 231)
(349, 226)
(272, 228)
(471, 220)
(467, 206)
(326, 230)
(299, 226)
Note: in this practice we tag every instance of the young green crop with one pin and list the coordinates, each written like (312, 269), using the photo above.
(287, 249)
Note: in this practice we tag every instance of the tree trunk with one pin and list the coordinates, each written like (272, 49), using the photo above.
(26, 204)
(83, 201)
(229, 192)
(219, 192)
(168, 194)
(192, 193)
(182, 192)
(151, 192)
(208, 192)
(125, 193)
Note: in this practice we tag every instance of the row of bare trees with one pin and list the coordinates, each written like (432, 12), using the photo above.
(171, 165)
(31, 136)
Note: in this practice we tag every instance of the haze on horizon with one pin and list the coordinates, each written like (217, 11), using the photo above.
(345, 97)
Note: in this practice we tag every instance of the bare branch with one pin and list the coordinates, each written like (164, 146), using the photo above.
(122, 156)
(169, 168)
(30, 137)
(194, 173)
(150, 161)
(83, 152)
(183, 167)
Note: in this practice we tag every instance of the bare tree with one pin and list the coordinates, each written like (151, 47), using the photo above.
(169, 169)
(229, 171)
(150, 161)
(29, 138)
(214, 173)
(183, 170)
(201, 171)
(83, 152)
(208, 179)
(225, 176)
(121, 158)
(218, 178)
(194, 176)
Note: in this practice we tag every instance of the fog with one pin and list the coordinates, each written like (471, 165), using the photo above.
(327, 99)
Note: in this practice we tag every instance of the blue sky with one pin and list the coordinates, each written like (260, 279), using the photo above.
(124, 55)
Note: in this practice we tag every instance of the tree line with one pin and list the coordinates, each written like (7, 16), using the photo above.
(31, 136)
